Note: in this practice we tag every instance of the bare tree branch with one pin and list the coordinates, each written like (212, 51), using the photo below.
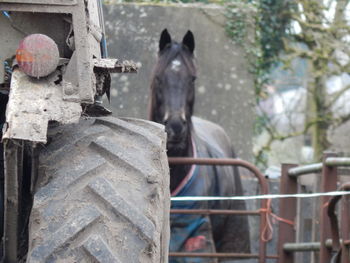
(337, 95)
(342, 119)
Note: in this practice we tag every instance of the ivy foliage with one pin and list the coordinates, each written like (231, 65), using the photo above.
(241, 15)
(274, 25)
(287, 30)
(266, 25)
(271, 21)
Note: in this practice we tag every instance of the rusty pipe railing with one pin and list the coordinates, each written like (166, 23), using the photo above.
(337, 161)
(317, 167)
(305, 169)
(290, 174)
(328, 227)
(262, 213)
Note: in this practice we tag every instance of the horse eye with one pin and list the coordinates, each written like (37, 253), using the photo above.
(193, 79)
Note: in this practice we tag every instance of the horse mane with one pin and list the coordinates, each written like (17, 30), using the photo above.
(165, 57)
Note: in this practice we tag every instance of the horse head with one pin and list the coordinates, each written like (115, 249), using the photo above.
(173, 90)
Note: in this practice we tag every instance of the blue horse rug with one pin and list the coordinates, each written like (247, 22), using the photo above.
(204, 233)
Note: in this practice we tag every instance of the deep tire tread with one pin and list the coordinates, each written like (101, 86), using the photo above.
(103, 187)
(120, 207)
(99, 250)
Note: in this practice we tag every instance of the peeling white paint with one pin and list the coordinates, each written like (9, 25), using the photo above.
(201, 89)
(227, 86)
(124, 78)
(233, 76)
(114, 92)
(143, 13)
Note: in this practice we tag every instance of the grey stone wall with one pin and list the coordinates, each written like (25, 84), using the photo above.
(224, 92)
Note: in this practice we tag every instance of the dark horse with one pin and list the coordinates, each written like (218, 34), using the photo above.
(171, 103)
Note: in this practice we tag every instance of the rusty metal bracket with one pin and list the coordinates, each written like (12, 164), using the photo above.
(114, 66)
(13, 152)
(33, 103)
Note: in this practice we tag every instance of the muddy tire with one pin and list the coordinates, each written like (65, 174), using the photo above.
(102, 194)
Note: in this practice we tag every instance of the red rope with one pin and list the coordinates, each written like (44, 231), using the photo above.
(271, 218)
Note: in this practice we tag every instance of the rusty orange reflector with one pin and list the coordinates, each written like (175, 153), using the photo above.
(37, 55)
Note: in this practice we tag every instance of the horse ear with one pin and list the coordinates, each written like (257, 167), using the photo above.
(188, 41)
(164, 40)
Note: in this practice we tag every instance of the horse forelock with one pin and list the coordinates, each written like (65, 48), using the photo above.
(165, 58)
(170, 53)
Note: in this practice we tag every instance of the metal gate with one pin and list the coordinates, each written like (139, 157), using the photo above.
(329, 244)
(262, 212)
(330, 251)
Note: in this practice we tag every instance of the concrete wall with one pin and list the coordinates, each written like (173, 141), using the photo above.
(224, 92)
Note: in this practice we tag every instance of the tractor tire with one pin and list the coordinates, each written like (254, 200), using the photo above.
(102, 194)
